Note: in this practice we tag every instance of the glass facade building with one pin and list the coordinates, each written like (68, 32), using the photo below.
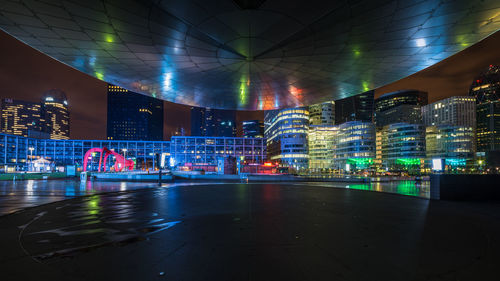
(402, 147)
(16, 152)
(322, 114)
(209, 122)
(56, 114)
(322, 148)
(204, 151)
(400, 107)
(253, 129)
(355, 146)
(355, 108)
(21, 118)
(286, 132)
(486, 89)
(453, 144)
(132, 116)
(453, 111)
(48, 119)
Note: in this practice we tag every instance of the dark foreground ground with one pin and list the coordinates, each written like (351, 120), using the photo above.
(251, 232)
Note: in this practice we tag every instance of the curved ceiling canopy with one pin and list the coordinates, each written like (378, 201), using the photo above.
(249, 54)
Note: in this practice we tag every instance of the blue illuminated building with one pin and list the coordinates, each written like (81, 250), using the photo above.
(286, 131)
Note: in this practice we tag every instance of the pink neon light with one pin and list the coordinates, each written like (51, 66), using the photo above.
(120, 162)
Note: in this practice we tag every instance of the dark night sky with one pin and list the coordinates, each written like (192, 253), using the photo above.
(25, 74)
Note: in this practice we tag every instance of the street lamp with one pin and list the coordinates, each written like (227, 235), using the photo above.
(31, 158)
(124, 153)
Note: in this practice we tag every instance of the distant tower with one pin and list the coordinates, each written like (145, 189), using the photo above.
(486, 89)
(322, 113)
(22, 118)
(253, 129)
(132, 116)
(55, 113)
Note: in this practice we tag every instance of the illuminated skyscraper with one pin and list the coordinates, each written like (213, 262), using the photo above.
(253, 129)
(322, 148)
(355, 108)
(486, 89)
(21, 118)
(453, 144)
(400, 107)
(402, 147)
(132, 116)
(322, 113)
(355, 146)
(286, 133)
(56, 114)
(453, 111)
(209, 122)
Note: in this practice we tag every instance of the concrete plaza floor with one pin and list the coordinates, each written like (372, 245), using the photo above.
(251, 232)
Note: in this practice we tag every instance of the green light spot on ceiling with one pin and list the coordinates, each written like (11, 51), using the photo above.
(356, 52)
(366, 86)
(99, 75)
(109, 38)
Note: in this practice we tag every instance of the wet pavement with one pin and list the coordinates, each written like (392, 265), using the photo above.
(251, 232)
(18, 195)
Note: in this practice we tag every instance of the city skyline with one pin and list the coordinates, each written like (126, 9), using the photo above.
(450, 77)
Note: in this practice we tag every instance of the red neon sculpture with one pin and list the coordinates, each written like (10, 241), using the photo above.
(120, 162)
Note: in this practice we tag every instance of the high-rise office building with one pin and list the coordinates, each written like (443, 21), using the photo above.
(453, 144)
(486, 89)
(48, 119)
(452, 111)
(322, 147)
(56, 114)
(253, 129)
(21, 118)
(355, 108)
(402, 146)
(400, 107)
(322, 114)
(286, 132)
(355, 146)
(132, 116)
(209, 122)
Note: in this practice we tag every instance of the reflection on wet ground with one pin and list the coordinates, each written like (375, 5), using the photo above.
(282, 231)
(409, 188)
(90, 223)
(17, 195)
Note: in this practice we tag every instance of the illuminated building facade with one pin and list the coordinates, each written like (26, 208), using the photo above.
(204, 151)
(355, 108)
(322, 114)
(453, 111)
(400, 107)
(452, 144)
(21, 118)
(486, 89)
(322, 148)
(56, 114)
(133, 116)
(16, 152)
(286, 133)
(253, 129)
(209, 122)
(355, 149)
(402, 147)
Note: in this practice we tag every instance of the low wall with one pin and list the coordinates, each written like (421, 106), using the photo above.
(131, 177)
(465, 187)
